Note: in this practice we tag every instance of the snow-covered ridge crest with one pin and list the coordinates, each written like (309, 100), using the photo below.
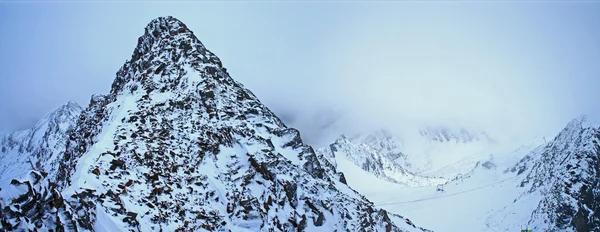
(563, 178)
(578, 123)
(158, 29)
(40, 147)
(177, 45)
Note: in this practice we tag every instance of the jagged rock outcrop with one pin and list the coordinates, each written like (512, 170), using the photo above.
(33, 204)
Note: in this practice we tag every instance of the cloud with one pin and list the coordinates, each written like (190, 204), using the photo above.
(510, 68)
(515, 72)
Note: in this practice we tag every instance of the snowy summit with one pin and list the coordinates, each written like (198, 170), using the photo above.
(178, 145)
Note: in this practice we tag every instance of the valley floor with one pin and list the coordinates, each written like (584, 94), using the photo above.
(482, 200)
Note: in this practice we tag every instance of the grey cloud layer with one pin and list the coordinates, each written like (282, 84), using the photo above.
(508, 67)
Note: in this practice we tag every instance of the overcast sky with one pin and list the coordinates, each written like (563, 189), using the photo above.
(510, 68)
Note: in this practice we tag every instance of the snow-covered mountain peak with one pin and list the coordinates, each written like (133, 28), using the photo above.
(166, 51)
(576, 135)
(56, 122)
(59, 117)
(39, 147)
(168, 25)
(71, 105)
(158, 29)
(577, 124)
(60, 112)
(178, 145)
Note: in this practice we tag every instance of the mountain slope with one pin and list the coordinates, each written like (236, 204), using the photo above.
(39, 147)
(566, 175)
(27, 200)
(178, 145)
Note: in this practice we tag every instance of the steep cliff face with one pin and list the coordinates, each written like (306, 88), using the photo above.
(178, 145)
(566, 175)
(40, 147)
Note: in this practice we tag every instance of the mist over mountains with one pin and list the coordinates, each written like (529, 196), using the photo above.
(508, 69)
(341, 121)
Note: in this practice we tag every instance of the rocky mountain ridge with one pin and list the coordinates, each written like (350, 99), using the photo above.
(566, 173)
